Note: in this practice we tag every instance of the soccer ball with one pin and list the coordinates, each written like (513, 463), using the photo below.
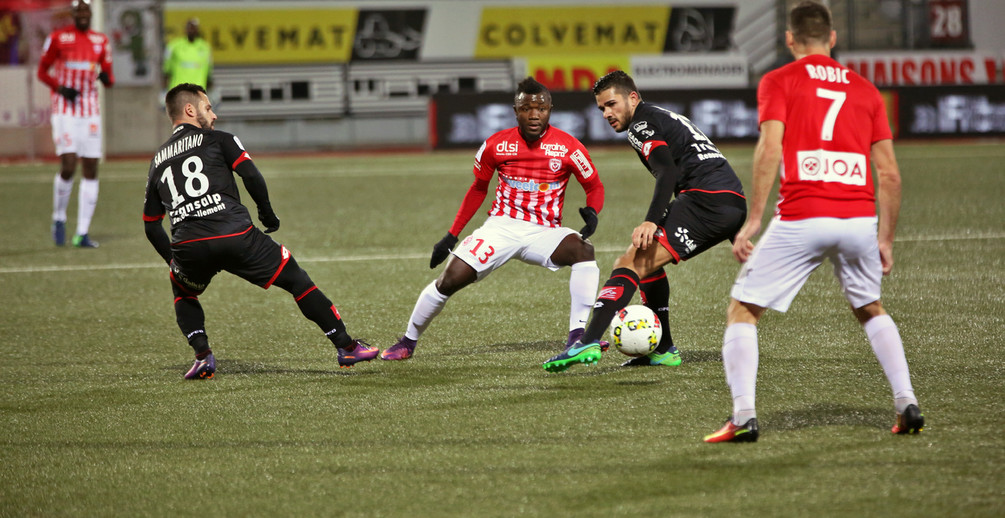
(636, 331)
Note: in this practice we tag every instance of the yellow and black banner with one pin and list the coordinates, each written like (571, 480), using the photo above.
(528, 31)
(271, 36)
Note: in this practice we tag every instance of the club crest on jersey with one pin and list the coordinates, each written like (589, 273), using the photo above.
(641, 125)
(555, 164)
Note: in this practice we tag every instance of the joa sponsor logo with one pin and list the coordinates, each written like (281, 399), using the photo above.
(832, 166)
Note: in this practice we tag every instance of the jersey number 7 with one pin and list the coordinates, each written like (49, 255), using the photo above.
(837, 100)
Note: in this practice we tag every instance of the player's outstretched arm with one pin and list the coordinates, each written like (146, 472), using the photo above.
(473, 199)
(767, 159)
(888, 194)
(254, 183)
(155, 233)
(667, 173)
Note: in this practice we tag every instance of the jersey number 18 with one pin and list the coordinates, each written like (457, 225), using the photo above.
(196, 183)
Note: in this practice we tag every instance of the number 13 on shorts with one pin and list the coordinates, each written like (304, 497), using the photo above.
(478, 249)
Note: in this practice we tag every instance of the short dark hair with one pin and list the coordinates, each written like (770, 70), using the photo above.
(530, 86)
(179, 96)
(622, 83)
(810, 21)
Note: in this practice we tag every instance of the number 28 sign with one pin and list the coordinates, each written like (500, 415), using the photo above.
(947, 22)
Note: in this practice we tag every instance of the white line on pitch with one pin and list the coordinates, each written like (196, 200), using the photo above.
(411, 256)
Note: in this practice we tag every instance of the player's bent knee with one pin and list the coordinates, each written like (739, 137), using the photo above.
(455, 277)
(294, 279)
(869, 311)
(743, 313)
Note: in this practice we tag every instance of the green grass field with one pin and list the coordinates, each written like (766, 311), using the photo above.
(95, 419)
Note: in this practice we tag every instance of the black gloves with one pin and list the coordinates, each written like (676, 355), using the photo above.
(69, 93)
(442, 249)
(590, 217)
(103, 77)
(268, 218)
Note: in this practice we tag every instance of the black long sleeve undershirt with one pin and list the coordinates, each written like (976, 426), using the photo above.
(158, 238)
(666, 173)
(254, 183)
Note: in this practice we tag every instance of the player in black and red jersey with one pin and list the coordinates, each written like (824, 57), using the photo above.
(708, 207)
(192, 181)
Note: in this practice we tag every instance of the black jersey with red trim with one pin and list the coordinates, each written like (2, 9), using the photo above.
(702, 167)
(191, 180)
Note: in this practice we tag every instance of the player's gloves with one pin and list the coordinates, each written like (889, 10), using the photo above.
(442, 249)
(590, 217)
(268, 218)
(103, 77)
(69, 93)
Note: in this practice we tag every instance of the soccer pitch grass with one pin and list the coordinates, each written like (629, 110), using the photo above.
(96, 420)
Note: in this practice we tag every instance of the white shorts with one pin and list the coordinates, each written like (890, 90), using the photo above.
(789, 251)
(78, 135)
(501, 239)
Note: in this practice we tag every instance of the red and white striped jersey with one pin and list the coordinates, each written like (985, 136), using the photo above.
(75, 57)
(533, 177)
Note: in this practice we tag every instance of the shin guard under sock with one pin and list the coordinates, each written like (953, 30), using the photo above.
(192, 322)
(655, 291)
(320, 310)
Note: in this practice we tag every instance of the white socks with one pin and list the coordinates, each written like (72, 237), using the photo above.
(739, 358)
(61, 190)
(889, 349)
(430, 303)
(583, 284)
(86, 202)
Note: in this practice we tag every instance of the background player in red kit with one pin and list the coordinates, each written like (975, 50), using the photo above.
(535, 162)
(707, 209)
(75, 54)
(825, 122)
(191, 180)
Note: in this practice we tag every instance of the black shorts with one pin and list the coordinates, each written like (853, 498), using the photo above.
(696, 221)
(250, 255)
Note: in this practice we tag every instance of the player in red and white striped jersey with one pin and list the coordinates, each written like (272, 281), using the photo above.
(826, 124)
(74, 58)
(535, 162)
